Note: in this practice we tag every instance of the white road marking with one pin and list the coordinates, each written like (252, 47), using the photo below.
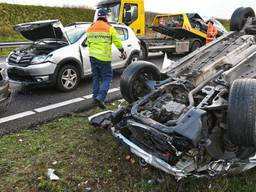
(88, 96)
(57, 105)
(16, 116)
(49, 107)
(110, 91)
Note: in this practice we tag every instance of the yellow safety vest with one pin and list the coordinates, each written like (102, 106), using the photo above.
(100, 37)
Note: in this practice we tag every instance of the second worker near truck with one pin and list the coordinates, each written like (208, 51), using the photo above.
(211, 32)
(100, 37)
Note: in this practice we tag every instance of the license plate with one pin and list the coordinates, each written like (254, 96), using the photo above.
(182, 47)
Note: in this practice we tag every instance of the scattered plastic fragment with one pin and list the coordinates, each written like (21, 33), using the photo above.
(88, 189)
(54, 162)
(51, 175)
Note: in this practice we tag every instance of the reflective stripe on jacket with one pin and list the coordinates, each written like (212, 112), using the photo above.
(100, 37)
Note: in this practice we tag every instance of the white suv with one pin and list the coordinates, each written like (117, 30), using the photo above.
(59, 56)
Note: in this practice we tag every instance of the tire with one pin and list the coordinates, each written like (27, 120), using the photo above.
(144, 53)
(71, 80)
(242, 113)
(132, 83)
(239, 17)
(195, 45)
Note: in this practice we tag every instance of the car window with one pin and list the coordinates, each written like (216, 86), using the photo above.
(130, 13)
(113, 9)
(122, 32)
(75, 34)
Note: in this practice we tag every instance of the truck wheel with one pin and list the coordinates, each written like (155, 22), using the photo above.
(134, 77)
(242, 113)
(239, 17)
(195, 45)
(144, 53)
(68, 78)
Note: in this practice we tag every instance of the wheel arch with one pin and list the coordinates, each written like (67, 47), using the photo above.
(70, 61)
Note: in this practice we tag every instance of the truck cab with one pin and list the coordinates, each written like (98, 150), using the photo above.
(129, 12)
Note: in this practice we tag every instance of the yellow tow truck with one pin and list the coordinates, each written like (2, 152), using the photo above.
(179, 33)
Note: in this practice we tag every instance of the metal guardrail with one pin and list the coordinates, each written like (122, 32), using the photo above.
(13, 44)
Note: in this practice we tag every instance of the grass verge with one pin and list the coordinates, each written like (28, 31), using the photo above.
(89, 159)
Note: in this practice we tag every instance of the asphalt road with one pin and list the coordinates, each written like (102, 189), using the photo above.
(29, 108)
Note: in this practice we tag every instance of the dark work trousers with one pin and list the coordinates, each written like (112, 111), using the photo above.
(102, 77)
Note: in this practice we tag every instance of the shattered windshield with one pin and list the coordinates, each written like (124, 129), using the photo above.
(113, 9)
(75, 34)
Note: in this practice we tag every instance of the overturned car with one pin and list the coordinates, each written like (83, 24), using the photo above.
(198, 118)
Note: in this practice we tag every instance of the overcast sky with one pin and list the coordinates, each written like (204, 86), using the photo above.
(216, 8)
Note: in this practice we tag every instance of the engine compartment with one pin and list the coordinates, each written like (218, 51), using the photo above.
(43, 47)
(166, 105)
(23, 56)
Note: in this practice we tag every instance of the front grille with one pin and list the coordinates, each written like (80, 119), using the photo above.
(20, 59)
(19, 75)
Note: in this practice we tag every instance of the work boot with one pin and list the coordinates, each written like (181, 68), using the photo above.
(100, 104)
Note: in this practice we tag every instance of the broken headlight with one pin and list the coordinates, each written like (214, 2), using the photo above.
(41, 59)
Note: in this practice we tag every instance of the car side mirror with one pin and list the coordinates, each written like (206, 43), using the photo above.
(84, 44)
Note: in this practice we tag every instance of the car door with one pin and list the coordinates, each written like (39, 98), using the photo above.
(84, 52)
(117, 62)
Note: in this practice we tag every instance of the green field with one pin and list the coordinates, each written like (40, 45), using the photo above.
(85, 157)
(14, 14)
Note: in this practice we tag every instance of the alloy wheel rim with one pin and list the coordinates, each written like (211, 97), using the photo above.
(69, 78)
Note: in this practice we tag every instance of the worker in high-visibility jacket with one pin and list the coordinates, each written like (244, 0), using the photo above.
(211, 32)
(100, 37)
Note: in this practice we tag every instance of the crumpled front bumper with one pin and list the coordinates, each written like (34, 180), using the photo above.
(208, 170)
(147, 157)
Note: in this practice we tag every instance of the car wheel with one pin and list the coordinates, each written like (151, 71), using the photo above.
(133, 80)
(68, 78)
(144, 53)
(239, 17)
(195, 45)
(242, 113)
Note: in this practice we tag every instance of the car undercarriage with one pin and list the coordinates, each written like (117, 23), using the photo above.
(197, 117)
